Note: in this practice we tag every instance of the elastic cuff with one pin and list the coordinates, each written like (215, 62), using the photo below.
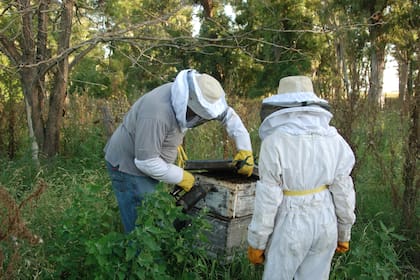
(256, 241)
(344, 232)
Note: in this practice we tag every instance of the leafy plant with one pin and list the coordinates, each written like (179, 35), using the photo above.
(373, 254)
(155, 249)
(86, 218)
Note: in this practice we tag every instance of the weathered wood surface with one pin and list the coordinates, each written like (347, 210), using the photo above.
(232, 197)
(230, 206)
(227, 236)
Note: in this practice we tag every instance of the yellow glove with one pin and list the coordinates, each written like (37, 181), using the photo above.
(342, 247)
(244, 161)
(255, 256)
(187, 181)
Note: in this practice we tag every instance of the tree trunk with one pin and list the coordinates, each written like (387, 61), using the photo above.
(58, 95)
(28, 75)
(12, 143)
(377, 53)
(410, 173)
(402, 80)
(403, 69)
(107, 119)
(342, 66)
(32, 98)
(34, 144)
(377, 68)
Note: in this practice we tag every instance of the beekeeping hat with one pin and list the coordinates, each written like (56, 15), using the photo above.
(206, 96)
(200, 93)
(293, 91)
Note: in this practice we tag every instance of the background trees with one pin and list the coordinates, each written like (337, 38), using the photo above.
(123, 48)
(51, 51)
(53, 48)
(43, 40)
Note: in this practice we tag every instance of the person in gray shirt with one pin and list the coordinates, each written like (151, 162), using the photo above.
(142, 150)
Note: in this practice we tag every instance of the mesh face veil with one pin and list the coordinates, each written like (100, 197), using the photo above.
(293, 91)
(193, 120)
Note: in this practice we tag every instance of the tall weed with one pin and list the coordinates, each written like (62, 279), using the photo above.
(373, 254)
(14, 233)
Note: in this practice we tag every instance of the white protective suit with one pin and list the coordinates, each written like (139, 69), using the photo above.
(300, 151)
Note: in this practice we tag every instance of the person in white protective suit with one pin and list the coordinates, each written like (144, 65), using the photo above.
(142, 150)
(305, 198)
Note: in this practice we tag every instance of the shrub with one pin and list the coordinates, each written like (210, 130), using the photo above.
(154, 250)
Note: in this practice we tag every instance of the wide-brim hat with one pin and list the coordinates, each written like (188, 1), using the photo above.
(206, 96)
(293, 91)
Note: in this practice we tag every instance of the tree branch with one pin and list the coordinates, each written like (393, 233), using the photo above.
(9, 49)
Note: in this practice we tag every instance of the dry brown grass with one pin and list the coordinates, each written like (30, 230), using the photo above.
(13, 228)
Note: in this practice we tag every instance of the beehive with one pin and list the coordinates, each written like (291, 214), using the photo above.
(230, 206)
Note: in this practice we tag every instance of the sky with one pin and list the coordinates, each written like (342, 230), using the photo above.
(390, 76)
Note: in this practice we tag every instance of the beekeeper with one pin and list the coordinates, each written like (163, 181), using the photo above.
(142, 150)
(305, 199)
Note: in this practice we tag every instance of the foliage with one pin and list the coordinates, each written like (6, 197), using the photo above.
(76, 227)
(282, 41)
(77, 215)
(374, 254)
(142, 44)
(90, 77)
(156, 51)
(125, 48)
(12, 121)
(154, 249)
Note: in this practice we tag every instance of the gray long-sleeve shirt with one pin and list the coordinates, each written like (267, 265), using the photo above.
(149, 130)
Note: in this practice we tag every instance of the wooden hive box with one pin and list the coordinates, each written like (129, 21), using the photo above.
(230, 206)
(232, 196)
(227, 236)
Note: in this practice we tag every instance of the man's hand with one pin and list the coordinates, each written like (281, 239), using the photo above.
(187, 181)
(244, 162)
(255, 256)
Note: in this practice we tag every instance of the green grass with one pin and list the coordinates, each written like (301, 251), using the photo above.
(78, 211)
(77, 216)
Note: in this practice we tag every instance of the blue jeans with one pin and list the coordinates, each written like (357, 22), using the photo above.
(129, 191)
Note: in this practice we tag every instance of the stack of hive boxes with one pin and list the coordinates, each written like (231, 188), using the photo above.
(230, 206)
